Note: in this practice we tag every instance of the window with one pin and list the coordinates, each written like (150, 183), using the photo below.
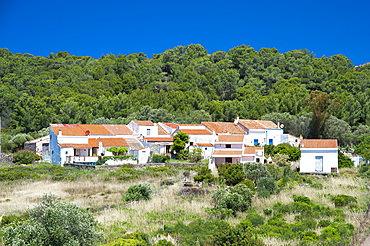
(205, 148)
(255, 142)
(228, 160)
(52, 152)
(228, 146)
(271, 142)
(66, 152)
(148, 132)
(257, 159)
(191, 143)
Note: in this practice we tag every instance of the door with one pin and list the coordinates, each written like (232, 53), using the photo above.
(271, 142)
(318, 163)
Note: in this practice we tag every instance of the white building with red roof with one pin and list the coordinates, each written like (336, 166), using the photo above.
(319, 156)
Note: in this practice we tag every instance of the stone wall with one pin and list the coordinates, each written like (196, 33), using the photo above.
(6, 158)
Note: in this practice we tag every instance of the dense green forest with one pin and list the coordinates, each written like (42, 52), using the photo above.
(317, 97)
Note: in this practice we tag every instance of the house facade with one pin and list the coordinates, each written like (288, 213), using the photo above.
(319, 156)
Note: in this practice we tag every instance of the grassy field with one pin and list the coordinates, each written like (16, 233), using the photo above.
(100, 192)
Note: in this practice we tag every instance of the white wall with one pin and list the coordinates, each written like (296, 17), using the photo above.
(255, 134)
(308, 162)
(153, 131)
(73, 139)
(233, 146)
(64, 152)
(275, 135)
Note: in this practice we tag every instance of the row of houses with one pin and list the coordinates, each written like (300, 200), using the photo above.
(221, 142)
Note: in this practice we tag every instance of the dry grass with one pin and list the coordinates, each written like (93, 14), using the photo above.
(166, 206)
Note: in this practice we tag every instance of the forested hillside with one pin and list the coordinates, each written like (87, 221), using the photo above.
(188, 85)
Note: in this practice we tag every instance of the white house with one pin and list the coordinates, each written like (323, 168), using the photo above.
(319, 156)
(253, 154)
(39, 146)
(228, 149)
(260, 132)
(143, 128)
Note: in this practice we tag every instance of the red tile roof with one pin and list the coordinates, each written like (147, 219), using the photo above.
(189, 124)
(223, 127)
(171, 125)
(162, 131)
(95, 130)
(203, 144)
(68, 130)
(108, 142)
(250, 150)
(258, 124)
(319, 143)
(118, 129)
(196, 131)
(144, 122)
(231, 138)
(227, 153)
(158, 139)
(76, 146)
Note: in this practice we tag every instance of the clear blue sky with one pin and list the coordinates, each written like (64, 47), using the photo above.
(101, 27)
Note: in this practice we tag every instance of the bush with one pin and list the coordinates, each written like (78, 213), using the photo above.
(363, 169)
(344, 161)
(245, 192)
(204, 175)
(267, 211)
(249, 184)
(164, 242)
(23, 157)
(343, 200)
(54, 223)
(160, 158)
(134, 239)
(232, 173)
(255, 171)
(237, 236)
(324, 223)
(266, 187)
(138, 192)
(255, 219)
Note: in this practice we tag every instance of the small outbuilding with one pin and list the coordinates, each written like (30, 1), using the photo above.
(319, 156)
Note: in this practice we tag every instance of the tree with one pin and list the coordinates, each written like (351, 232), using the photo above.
(322, 106)
(363, 147)
(196, 155)
(53, 222)
(294, 153)
(179, 141)
(118, 151)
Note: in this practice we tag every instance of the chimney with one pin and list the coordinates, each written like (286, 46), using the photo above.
(60, 132)
(236, 120)
(278, 124)
(300, 136)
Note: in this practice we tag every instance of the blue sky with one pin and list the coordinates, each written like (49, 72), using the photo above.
(100, 27)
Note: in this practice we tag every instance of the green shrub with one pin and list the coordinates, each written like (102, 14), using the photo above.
(134, 239)
(160, 158)
(204, 174)
(343, 200)
(138, 192)
(303, 199)
(255, 219)
(344, 161)
(266, 187)
(267, 211)
(24, 157)
(337, 233)
(13, 219)
(232, 173)
(249, 184)
(255, 171)
(54, 223)
(363, 169)
(237, 236)
(164, 242)
(324, 223)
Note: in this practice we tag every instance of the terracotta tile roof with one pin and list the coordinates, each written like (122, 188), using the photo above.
(118, 129)
(144, 122)
(189, 124)
(223, 127)
(196, 131)
(319, 143)
(68, 130)
(258, 124)
(162, 131)
(250, 150)
(221, 153)
(171, 125)
(76, 146)
(158, 139)
(204, 144)
(95, 130)
(108, 142)
(231, 138)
